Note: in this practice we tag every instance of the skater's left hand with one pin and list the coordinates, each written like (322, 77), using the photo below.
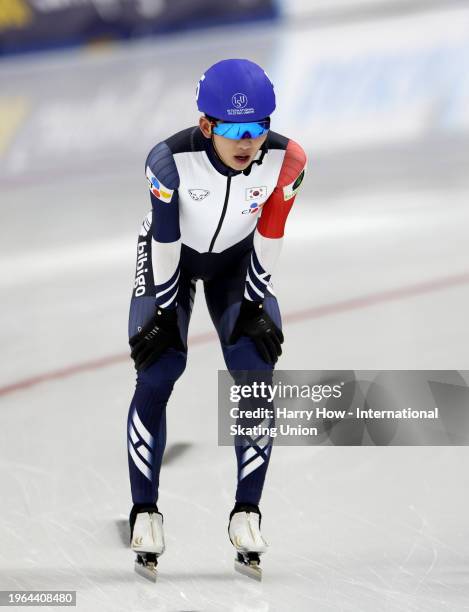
(254, 322)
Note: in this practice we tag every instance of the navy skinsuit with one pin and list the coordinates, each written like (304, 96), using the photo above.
(232, 259)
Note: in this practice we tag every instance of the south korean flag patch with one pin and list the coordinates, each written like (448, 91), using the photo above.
(289, 191)
(256, 193)
(157, 188)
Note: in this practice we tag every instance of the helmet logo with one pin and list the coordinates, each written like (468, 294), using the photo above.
(197, 90)
(239, 100)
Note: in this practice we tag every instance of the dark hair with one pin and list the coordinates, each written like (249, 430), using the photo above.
(210, 118)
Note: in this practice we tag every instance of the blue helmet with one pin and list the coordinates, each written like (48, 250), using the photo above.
(236, 90)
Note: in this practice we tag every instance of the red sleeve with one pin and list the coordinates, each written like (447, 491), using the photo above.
(275, 210)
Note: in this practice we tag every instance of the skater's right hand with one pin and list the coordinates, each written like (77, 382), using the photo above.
(160, 333)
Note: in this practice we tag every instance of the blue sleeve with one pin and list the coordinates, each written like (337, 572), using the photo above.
(163, 181)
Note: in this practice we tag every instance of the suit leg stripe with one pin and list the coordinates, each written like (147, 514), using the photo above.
(267, 422)
(141, 429)
(133, 436)
(248, 469)
(136, 439)
(144, 453)
(260, 448)
(248, 454)
(139, 463)
(263, 442)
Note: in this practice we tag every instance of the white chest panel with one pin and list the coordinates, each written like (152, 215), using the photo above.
(202, 193)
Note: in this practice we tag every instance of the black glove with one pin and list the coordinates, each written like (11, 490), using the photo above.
(160, 333)
(254, 322)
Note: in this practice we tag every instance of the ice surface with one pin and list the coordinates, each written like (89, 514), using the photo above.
(351, 529)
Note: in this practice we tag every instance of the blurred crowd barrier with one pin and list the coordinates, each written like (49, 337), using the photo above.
(29, 25)
(375, 81)
(344, 9)
(32, 25)
(397, 86)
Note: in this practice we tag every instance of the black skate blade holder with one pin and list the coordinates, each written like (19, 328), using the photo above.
(145, 566)
(248, 564)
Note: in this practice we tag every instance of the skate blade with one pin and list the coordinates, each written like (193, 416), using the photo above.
(251, 570)
(146, 571)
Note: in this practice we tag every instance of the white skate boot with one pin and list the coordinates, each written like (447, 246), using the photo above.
(245, 535)
(147, 539)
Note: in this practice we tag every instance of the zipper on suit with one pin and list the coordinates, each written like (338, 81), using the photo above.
(222, 216)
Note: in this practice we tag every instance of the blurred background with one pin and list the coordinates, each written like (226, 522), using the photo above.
(374, 274)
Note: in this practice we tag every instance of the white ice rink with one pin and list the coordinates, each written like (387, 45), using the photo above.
(374, 274)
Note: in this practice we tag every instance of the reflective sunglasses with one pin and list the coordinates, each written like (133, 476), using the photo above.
(237, 131)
